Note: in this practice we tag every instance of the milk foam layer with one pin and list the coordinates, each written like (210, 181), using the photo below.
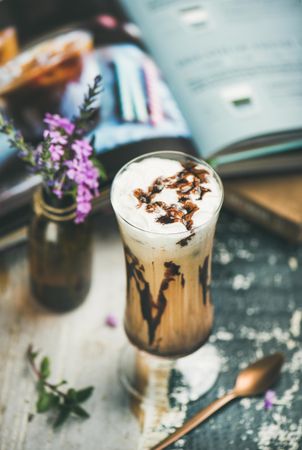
(141, 175)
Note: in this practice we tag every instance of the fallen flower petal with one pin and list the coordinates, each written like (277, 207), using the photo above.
(111, 321)
(269, 399)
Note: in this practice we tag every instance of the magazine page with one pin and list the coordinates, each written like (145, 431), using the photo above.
(235, 67)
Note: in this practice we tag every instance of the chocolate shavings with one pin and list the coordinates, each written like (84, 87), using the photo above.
(186, 182)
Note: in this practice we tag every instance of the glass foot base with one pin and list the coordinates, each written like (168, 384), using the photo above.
(153, 379)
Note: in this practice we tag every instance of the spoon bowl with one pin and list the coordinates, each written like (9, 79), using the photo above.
(259, 376)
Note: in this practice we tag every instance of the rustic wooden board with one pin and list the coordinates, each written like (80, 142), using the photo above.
(82, 349)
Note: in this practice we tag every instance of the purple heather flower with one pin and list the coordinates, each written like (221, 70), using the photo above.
(80, 172)
(72, 169)
(84, 194)
(64, 158)
(269, 399)
(22, 154)
(111, 321)
(55, 136)
(58, 192)
(84, 197)
(76, 171)
(92, 175)
(82, 148)
(55, 121)
(84, 207)
(37, 154)
(83, 172)
(56, 152)
(80, 218)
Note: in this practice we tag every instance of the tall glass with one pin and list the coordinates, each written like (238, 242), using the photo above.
(169, 310)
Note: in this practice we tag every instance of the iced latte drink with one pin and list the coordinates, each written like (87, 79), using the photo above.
(167, 205)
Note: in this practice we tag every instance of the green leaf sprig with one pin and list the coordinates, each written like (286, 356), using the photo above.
(16, 140)
(51, 397)
(88, 109)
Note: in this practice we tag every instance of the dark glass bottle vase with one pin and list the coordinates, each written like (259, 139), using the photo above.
(60, 253)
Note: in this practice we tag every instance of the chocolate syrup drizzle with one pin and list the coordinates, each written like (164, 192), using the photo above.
(183, 242)
(186, 182)
(203, 279)
(183, 281)
(135, 271)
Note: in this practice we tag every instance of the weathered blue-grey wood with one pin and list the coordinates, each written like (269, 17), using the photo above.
(257, 290)
(82, 349)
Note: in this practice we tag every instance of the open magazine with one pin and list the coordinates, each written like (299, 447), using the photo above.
(235, 69)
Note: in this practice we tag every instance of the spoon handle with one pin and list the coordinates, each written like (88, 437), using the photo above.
(197, 419)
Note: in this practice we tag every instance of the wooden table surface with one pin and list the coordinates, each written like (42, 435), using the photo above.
(81, 348)
(257, 290)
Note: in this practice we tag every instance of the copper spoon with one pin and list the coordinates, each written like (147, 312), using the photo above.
(253, 380)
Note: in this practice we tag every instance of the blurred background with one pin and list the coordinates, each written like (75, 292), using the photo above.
(32, 17)
(255, 187)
